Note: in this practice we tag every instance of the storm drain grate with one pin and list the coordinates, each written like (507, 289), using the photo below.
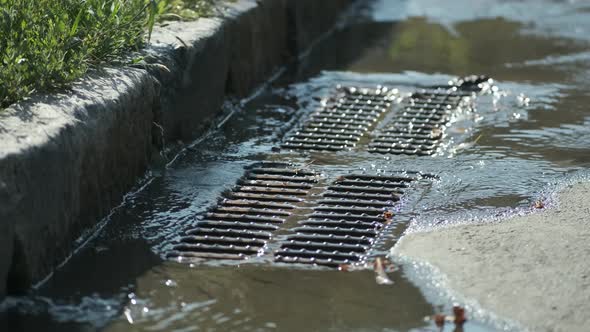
(346, 221)
(417, 129)
(340, 223)
(243, 222)
(343, 120)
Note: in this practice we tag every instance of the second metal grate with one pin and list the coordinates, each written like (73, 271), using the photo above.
(343, 120)
(346, 222)
(419, 126)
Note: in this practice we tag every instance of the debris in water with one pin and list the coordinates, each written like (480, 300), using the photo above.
(465, 145)
(523, 100)
(460, 130)
(539, 204)
(439, 320)
(460, 318)
(381, 278)
(436, 133)
(351, 267)
(127, 314)
(388, 266)
(297, 170)
(387, 216)
(344, 267)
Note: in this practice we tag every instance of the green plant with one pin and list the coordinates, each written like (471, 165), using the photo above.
(46, 44)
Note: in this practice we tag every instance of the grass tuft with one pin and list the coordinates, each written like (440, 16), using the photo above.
(46, 44)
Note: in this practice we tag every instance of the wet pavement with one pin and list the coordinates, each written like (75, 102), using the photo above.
(520, 141)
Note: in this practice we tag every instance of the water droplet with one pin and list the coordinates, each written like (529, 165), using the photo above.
(271, 325)
(523, 100)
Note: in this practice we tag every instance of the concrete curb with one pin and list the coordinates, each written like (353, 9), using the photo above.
(66, 159)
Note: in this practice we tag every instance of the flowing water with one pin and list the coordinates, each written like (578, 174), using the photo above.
(523, 139)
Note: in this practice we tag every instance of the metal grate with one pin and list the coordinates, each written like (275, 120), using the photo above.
(419, 126)
(344, 119)
(346, 222)
(340, 223)
(243, 222)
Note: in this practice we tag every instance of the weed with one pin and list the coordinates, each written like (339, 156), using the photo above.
(46, 44)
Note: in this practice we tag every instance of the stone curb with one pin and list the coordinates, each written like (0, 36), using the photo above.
(66, 159)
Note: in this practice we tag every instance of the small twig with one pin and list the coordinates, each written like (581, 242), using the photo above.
(182, 41)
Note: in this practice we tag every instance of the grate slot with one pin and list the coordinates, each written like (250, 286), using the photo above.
(256, 204)
(324, 125)
(428, 109)
(334, 231)
(405, 146)
(230, 233)
(303, 146)
(339, 209)
(391, 141)
(267, 177)
(405, 134)
(336, 137)
(264, 197)
(325, 262)
(347, 115)
(275, 184)
(380, 178)
(295, 245)
(354, 203)
(271, 191)
(236, 225)
(302, 253)
(346, 239)
(321, 141)
(341, 120)
(363, 196)
(252, 211)
(222, 240)
(206, 255)
(356, 133)
(365, 189)
(217, 249)
(415, 125)
(347, 216)
(423, 117)
(342, 223)
(283, 171)
(416, 152)
(244, 218)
